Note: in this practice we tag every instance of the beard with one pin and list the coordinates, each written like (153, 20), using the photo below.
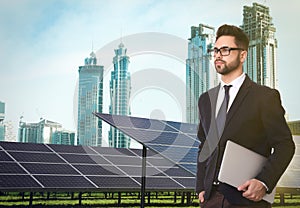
(226, 68)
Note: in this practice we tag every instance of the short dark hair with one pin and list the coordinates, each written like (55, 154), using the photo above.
(241, 39)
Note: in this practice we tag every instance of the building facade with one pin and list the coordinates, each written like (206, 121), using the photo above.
(2, 125)
(261, 63)
(200, 72)
(294, 127)
(40, 132)
(120, 88)
(63, 137)
(90, 100)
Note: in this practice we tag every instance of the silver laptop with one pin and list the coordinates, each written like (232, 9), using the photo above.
(240, 164)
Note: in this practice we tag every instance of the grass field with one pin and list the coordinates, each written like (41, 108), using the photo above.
(160, 199)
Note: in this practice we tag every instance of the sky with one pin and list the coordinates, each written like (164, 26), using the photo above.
(44, 42)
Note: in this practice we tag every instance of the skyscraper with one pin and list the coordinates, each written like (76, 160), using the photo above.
(2, 116)
(200, 73)
(63, 137)
(261, 63)
(40, 132)
(120, 88)
(90, 99)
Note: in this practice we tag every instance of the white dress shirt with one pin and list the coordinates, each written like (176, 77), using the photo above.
(236, 84)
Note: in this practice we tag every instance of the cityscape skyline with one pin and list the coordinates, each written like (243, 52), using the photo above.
(47, 54)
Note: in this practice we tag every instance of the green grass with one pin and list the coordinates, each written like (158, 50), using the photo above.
(163, 200)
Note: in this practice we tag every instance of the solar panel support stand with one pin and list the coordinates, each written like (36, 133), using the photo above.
(143, 187)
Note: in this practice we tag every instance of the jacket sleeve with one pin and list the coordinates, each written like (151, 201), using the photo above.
(200, 164)
(279, 137)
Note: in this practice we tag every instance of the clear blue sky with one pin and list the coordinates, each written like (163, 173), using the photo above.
(44, 42)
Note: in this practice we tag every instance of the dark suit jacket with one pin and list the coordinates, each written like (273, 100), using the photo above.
(256, 121)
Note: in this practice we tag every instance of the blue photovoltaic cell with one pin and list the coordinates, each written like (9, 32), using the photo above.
(11, 168)
(36, 157)
(183, 127)
(176, 171)
(64, 169)
(71, 149)
(137, 171)
(191, 167)
(187, 182)
(51, 181)
(24, 146)
(120, 121)
(86, 159)
(160, 162)
(114, 182)
(98, 170)
(291, 179)
(4, 156)
(160, 183)
(111, 151)
(13, 182)
(118, 160)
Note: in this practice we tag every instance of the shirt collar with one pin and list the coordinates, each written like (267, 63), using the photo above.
(237, 82)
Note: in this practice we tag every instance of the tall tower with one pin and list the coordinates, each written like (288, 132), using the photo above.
(200, 73)
(90, 99)
(261, 64)
(40, 132)
(120, 88)
(2, 116)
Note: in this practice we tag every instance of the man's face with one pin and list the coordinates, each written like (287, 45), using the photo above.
(226, 64)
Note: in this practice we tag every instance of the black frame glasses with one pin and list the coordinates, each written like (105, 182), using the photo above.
(224, 51)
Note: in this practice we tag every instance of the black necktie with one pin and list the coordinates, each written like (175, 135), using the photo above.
(221, 117)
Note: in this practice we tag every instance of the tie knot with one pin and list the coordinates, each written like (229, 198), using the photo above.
(227, 87)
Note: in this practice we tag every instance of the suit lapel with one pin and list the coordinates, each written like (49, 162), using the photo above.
(238, 99)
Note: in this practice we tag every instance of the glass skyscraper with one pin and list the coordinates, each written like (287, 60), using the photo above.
(40, 132)
(200, 73)
(261, 61)
(2, 116)
(120, 88)
(90, 99)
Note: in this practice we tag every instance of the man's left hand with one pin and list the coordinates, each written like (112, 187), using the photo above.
(253, 190)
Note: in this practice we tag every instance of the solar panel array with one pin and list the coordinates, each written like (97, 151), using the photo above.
(174, 140)
(171, 161)
(291, 177)
(178, 142)
(41, 167)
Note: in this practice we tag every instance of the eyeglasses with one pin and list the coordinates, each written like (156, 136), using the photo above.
(224, 51)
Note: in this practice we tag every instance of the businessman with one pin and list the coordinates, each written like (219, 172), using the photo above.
(246, 113)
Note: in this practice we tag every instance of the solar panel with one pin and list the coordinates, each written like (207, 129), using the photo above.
(11, 168)
(175, 141)
(114, 182)
(25, 147)
(55, 181)
(104, 170)
(178, 143)
(57, 169)
(161, 183)
(84, 159)
(36, 157)
(4, 156)
(16, 182)
(74, 168)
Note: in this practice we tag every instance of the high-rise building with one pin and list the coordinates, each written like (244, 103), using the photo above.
(2, 116)
(261, 64)
(120, 88)
(63, 137)
(40, 132)
(90, 100)
(200, 73)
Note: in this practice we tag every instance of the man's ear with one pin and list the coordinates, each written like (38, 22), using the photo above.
(243, 56)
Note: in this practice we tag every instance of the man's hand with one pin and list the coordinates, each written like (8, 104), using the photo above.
(201, 196)
(253, 190)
